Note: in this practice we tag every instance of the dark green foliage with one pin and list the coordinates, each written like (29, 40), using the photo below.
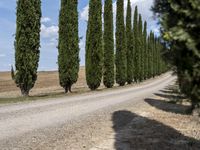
(109, 76)
(121, 56)
(68, 46)
(27, 43)
(12, 73)
(135, 45)
(129, 41)
(145, 54)
(180, 29)
(149, 56)
(147, 49)
(94, 48)
(156, 56)
(160, 61)
(152, 54)
(140, 49)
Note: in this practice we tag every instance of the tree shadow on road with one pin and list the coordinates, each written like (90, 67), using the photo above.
(170, 96)
(168, 107)
(172, 93)
(134, 132)
(170, 100)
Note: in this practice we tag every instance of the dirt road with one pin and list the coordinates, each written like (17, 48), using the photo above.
(74, 122)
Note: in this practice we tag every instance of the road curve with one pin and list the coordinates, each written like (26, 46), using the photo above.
(26, 117)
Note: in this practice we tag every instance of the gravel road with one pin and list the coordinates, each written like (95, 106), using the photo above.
(73, 122)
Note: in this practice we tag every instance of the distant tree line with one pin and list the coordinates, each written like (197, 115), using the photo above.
(180, 28)
(135, 57)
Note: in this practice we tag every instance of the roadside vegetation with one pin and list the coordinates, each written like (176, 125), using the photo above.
(180, 28)
(27, 43)
(120, 53)
(68, 44)
(137, 56)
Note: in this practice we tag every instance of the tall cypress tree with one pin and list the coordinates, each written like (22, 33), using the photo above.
(135, 45)
(159, 47)
(154, 55)
(145, 56)
(121, 57)
(68, 47)
(140, 49)
(149, 55)
(94, 48)
(27, 43)
(108, 45)
(129, 41)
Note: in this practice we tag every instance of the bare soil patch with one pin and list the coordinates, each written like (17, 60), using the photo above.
(163, 122)
(48, 82)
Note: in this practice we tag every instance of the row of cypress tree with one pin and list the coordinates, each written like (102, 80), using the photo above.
(147, 51)
(136, 58)
(27, 44)
(180, 27)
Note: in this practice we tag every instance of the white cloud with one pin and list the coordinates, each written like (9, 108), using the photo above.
(49, 32)
(82, 51)
(53, 42)
(45, 19)
(144, 8)
(2, 55)
(84, 13)
(82, 44)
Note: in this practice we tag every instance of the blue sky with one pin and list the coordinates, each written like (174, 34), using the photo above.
(49, 30)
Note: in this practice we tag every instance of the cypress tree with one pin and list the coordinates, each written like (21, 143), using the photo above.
(12, 73)
(108, 45)
(140, 49)
(159, 46)
(135, 45)
(154, 55)
(27, 43)
(121, 57)
(149, 55)
(157, 56)
(129, 40)
(182, 34)
(68, 46)
(94, 48)
(145, 56)
(150, 42)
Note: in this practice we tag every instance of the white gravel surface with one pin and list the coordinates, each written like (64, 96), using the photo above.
(64, 123)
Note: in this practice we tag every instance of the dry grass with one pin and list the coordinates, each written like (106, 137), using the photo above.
(48, 82)
(47, 86)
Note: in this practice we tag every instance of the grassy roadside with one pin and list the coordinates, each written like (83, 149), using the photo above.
(44, 96)
(30, 98)
(60, 94)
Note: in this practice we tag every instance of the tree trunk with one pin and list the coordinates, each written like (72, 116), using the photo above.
(66, 89)
(129, 82)
(196, 109)
(70, 88)
(25, 93)
(122, 84)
